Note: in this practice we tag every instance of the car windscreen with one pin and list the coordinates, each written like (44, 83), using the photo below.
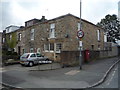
(26, 55)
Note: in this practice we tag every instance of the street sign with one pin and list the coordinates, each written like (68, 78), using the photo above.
(80, 43)
(80, 34)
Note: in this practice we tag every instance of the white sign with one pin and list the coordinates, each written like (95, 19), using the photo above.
(80, 34)
(80, 43)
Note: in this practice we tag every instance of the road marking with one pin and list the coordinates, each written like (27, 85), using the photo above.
(2, 70)
(112, 77)
(72, 72)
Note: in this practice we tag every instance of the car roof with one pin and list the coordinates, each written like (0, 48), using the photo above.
(29, 53)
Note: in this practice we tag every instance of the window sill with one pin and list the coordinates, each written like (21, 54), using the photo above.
(49, 51)
(46, 51)
(58, 52)
(52, 38)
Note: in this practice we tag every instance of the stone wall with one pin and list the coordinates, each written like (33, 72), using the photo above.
(71, 58)
(112, 53)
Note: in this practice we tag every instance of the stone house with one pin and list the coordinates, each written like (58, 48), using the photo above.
(50, 37)
(11, 28)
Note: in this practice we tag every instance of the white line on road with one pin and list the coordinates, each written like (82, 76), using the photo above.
(72, 72)
(2, 70)
(112, 76)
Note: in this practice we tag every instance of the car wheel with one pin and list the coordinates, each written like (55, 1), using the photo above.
(30, 64)
(22, 64)
(47, 59)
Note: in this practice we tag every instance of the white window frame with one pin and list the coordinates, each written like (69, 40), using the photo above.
(52, 31)
(15, 50)
(3, 40)
(31, 50)
(19, 37)
(32, 34)
(38, 50)
(58, 47)
(47, 47)
(98, 35)
(10, 37)
(105, 37)
(51, 49)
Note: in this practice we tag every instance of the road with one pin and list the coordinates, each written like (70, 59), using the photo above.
(70, 77)
(112, 79)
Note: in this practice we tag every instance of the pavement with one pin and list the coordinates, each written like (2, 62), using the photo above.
(53, 76)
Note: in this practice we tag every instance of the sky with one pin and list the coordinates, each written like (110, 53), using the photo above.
(16, 12)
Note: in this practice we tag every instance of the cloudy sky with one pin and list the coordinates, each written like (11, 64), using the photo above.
(16, 12)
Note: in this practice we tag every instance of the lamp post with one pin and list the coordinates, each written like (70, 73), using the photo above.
(80, 42)
(80, 35)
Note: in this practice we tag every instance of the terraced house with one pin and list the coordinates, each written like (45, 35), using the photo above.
(51, 37)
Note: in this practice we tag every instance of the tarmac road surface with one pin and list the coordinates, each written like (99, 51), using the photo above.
(70, 77)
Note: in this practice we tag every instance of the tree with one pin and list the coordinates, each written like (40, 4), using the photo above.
(11, 42)
(111, 25)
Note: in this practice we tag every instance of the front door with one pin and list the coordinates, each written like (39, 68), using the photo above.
(19, 50)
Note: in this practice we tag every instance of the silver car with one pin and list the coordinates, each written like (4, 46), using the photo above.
(33, 58)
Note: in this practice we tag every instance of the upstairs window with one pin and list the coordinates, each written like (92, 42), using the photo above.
(98, 35)
(52, 30)
(32, 34)
(10, 37)
(19, 36)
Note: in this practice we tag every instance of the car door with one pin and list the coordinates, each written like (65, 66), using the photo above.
(33, 58)
(39, 56)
